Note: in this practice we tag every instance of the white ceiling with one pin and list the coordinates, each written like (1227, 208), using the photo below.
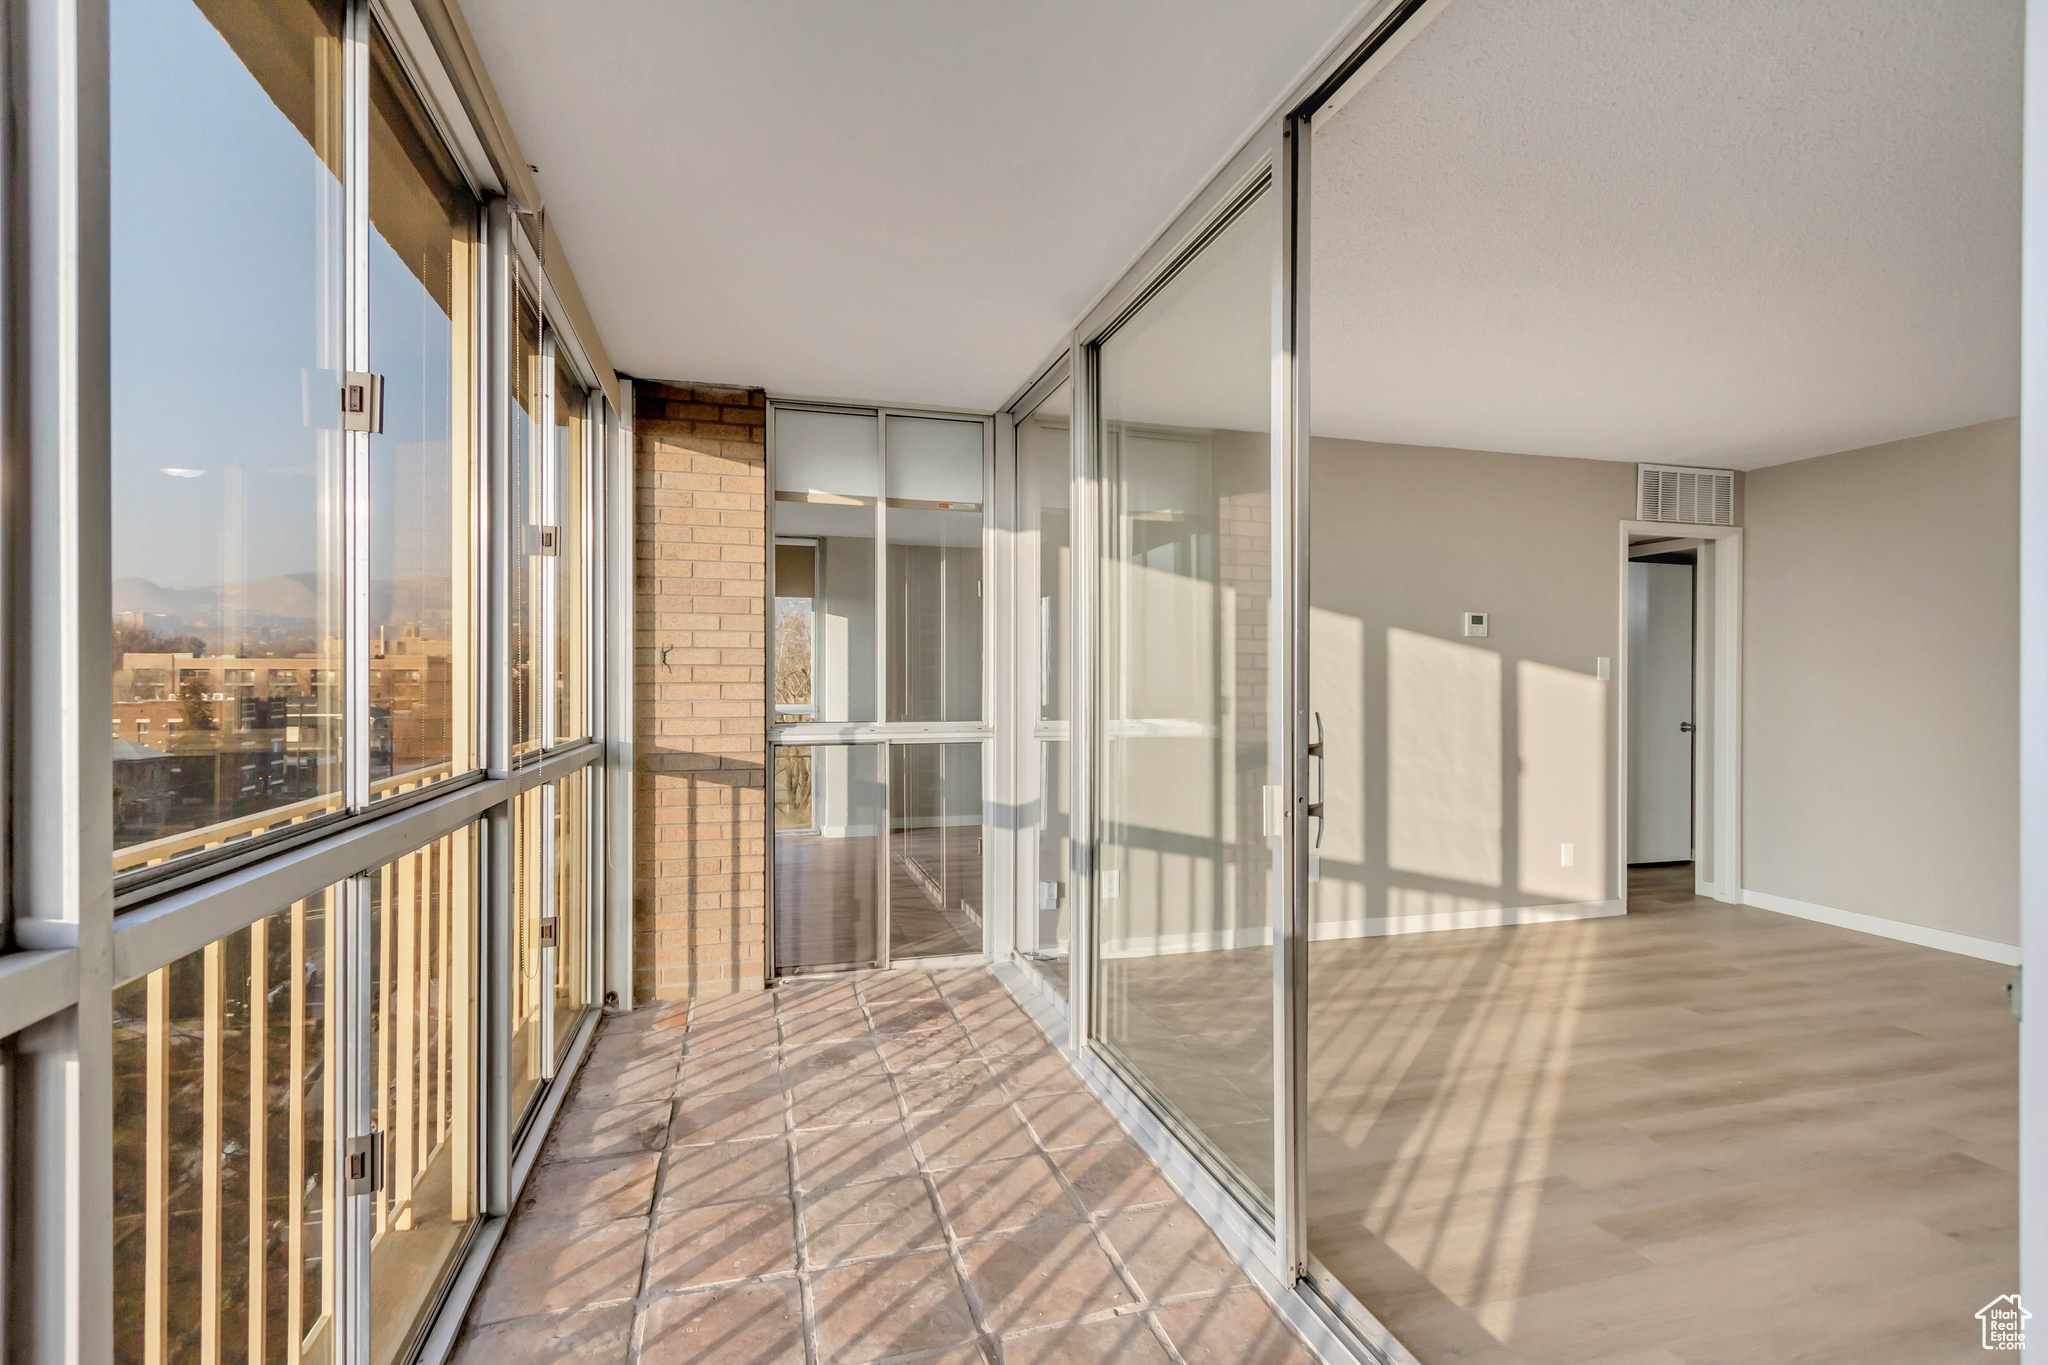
(1723, 232)
(907, 201)
(1701, 231)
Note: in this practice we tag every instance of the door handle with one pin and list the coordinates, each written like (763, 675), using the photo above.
(1685, 727)
(1315, 751)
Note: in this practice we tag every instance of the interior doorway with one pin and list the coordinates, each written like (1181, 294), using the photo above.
(1661, 709)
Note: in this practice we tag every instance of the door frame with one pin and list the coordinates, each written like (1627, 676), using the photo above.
(1717, 703)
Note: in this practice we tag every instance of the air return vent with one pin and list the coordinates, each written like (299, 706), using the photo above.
(1702, 497)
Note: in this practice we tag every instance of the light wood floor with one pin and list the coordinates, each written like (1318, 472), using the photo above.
(1696, 1133)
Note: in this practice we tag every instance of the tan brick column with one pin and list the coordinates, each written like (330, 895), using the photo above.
(700, 670)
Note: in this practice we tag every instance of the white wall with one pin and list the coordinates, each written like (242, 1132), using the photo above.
(1459, 768)
(1881, 681)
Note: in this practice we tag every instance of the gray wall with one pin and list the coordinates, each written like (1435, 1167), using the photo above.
(1458, 767)
(1881, 681)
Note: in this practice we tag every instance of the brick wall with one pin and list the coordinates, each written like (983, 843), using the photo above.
(700, 661)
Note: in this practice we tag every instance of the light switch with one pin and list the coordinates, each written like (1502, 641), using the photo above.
(1566, 855)
(1603, 668)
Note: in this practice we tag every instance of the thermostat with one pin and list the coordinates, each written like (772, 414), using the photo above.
(1475, 623)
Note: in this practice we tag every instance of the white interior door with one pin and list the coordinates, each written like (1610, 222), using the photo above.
(1660, 741)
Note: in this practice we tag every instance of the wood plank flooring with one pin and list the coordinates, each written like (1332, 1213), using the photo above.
(1697, 1133)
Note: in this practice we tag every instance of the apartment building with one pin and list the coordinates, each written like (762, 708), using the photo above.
(1354, 681)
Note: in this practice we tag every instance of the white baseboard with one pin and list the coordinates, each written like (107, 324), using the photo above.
(1987, 949)
(1488, 917)
(1261, 936)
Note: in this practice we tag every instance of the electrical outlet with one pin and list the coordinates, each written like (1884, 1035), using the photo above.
(1109, 884)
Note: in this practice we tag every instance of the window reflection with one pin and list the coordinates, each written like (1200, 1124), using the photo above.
(226, 451)
(422, 317)
(569, 508)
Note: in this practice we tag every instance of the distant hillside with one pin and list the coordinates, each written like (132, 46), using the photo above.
(286, 597)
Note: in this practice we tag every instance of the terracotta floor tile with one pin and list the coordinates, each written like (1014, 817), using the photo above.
(826, 1157)
(597, 1129)
(964, 1137)
(717, 1073)
(634, 1081)
(949, 1087)
(595, 1191)
(824, 1026)
(756, 1112)
(553, 1267)
(1035, 1279)
(1039, 1072)
(874, 1309)
(739, 1324)
(663, 1016)
(824, 1063)
(1169, 1250)
(724, 1173)
(589, 1336)
(862, 1098)
(913, 1016)
(1124, 1341)
(1002, 1196)
(1070, 1120)
(1113, 1176)
(898, 986)
(1017, 1034)
(878, 1218)
(948, 1046)
(809, 997)
(692, 1247)
(735, 1035)
(1232, 1329)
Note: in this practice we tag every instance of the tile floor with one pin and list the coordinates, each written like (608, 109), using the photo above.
(894, 1167)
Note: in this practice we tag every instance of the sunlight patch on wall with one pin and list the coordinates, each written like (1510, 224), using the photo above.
(1443, 759)
(1561, 802)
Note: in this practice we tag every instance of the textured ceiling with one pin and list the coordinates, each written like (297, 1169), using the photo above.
(1730, 233)
(905, 201)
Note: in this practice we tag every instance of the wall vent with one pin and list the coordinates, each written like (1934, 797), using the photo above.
(1702, 497)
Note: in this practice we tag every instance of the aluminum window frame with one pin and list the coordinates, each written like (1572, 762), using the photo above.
(880, 731)
(72, 935)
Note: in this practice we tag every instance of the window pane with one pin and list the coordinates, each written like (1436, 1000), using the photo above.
(530, 895)
(571, 507)
(1184, 906)
(227, 450)
(527, 496)
(422, 326)
(827, 481)
(1044, 440)
(421, 1077)
(934, 521)
(224, 1201)
(830, 803)
(572, 905)
(935, 899)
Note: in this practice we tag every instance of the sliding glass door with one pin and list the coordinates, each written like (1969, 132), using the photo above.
(1186, 686)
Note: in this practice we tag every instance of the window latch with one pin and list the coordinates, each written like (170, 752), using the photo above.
(550, 540)
(362, 402)
(364, 1163)
(548, 931)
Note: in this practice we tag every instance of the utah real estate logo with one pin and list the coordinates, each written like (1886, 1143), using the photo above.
(2005, 1323)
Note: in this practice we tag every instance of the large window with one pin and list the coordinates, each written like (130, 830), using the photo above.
(295, 584)
(1184, 904)
(228, 221)
(1045, 583)
(879, 848)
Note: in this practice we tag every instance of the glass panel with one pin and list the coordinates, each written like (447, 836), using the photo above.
(935, 469)
(530, 888)
(830, 804)
(527, 495)
(827, 478)
(571, 478)
(226, 406)
(423, 247)
(1044, 441)
(224, 1201)
(422, 917)
(935, 899)
(1184, 914)
(572, 905)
